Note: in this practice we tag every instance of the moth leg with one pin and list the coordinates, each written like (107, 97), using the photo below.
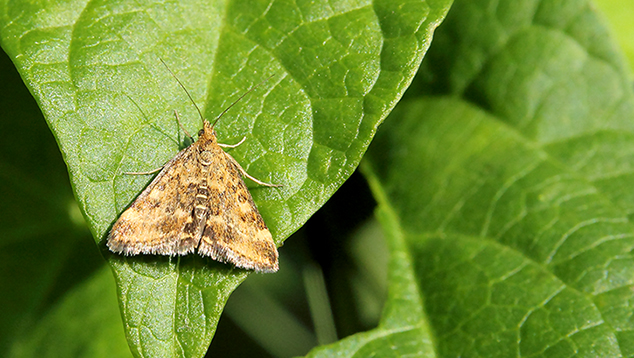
(244, 172)
(144, 173)
(233, 145)
(178, 119)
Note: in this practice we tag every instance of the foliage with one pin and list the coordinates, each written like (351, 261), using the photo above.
(501, 180)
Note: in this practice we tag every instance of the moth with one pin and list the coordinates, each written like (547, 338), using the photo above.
(198, 203)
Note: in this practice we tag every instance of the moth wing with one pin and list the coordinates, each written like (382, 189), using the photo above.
(234, 231)
(155, 222)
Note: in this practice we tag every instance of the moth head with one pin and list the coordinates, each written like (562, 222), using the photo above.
(207, 133)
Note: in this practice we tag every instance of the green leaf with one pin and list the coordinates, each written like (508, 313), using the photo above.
(509, 248)
(507, 203)
(46, 252)
(93, 67)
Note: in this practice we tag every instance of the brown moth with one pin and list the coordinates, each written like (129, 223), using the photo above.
(198, 202)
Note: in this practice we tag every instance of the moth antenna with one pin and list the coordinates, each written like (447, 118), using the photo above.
(241, 97)
(184, 89)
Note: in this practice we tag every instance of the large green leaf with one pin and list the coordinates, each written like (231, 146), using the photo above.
(338, 68)
(46, 256)
(508, 203)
